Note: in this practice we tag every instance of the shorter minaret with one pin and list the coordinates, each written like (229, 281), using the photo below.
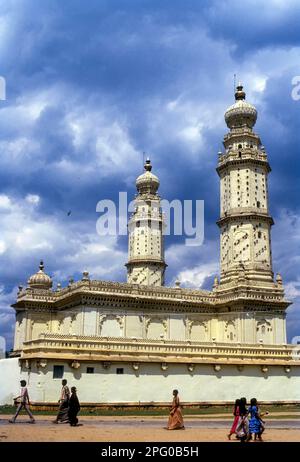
(146, 264)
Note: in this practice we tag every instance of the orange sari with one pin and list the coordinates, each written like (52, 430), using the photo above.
(175, 417)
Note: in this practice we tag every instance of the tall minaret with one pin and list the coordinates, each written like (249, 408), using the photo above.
(146, 264)
(245, 222)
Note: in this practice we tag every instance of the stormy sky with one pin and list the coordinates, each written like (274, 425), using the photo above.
(90, 85)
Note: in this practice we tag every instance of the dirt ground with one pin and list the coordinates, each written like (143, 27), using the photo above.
(133, 429)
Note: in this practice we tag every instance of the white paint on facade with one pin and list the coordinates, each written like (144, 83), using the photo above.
(152, 384)
(213, 346)
(10, 375)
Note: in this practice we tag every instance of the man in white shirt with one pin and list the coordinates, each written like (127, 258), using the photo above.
(23, 403)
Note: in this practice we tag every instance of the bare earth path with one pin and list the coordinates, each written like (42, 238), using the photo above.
(126, 429)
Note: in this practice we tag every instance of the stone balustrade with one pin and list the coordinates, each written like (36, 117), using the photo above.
(108, 348)
(248, 154)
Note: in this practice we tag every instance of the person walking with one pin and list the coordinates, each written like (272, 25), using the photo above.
(256, 424)
(242, 429)
(74, 408)
(175, 418)
(62, 415)
(236, 413)
(23, 403)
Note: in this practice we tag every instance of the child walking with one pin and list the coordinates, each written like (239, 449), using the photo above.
(256, 424)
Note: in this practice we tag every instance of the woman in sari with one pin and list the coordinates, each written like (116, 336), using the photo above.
(236, 413)
(175, 417)
(74, 408)
(242, 428)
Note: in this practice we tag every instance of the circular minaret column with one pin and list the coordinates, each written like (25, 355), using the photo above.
(146, 264)
(244, 214)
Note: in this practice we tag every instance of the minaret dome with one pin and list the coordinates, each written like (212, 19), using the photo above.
(241, 113)
(147, 183)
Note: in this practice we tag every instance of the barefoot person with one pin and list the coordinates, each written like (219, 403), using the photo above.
(256, 424)
(242, 429)
(62, 415)
(23, 403)
(236, 413)
(74, 407)
(175, 418)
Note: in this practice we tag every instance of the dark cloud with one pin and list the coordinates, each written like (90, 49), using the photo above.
(91, 86)
(254, 25)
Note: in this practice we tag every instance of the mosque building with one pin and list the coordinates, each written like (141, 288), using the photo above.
(133, 343)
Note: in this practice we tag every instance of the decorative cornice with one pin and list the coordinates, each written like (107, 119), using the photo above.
(146, 259)
(245, 213)
(121, 295)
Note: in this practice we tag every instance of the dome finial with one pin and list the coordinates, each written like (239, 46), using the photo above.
(41, 265)
(148, 165)
(239, 94)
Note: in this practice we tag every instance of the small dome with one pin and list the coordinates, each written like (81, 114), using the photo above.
(241, 112)
(40, 280)
(147, 182)
(279, 279)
